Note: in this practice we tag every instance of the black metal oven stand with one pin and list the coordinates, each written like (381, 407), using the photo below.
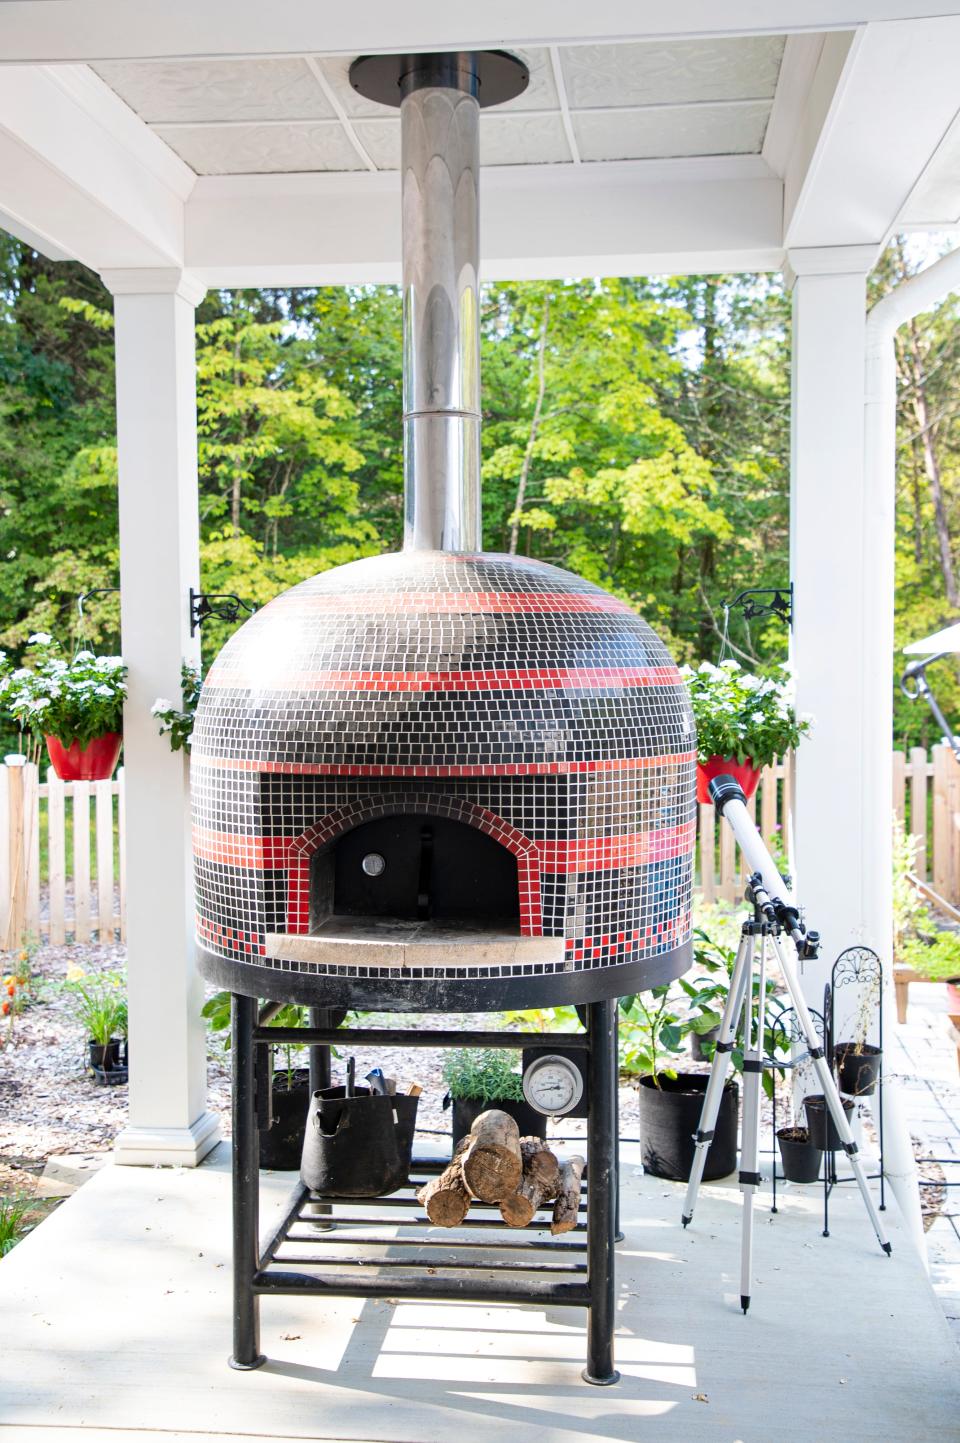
(312, 1233)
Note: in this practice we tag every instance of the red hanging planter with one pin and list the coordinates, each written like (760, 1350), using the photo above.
(743, 772)
(93, 763)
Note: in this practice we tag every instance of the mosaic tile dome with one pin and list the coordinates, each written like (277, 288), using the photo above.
(487, 692)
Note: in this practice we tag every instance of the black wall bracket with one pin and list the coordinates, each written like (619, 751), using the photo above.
(221, 605)
(780, 603)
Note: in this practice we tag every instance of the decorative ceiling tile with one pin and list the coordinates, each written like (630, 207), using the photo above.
(201, 90)
(258, 149)
(504, 140)
(673, 72)
(540, 94)
(671, 130)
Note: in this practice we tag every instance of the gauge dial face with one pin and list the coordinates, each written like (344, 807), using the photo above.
(552, 1085)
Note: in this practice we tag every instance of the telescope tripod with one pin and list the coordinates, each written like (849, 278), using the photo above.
(764, 927)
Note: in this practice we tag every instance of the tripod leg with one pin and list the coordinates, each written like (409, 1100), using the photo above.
(830, 1094)
(718, 1072)
(750, 1142)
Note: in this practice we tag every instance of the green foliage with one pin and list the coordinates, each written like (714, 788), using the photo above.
(650, 1033)
(742, 716)
(76, 700)
(483, 1074)
(909, 909)
(99, 1005)
(936, 959)
(178, 721)
(545, 1019)
(13, 1214)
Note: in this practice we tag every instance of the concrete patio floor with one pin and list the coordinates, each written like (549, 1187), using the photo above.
(116, 1322)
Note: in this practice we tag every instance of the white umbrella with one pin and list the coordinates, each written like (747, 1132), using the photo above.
(946, 640)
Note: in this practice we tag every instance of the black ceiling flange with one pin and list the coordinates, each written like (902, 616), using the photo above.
(493, 76)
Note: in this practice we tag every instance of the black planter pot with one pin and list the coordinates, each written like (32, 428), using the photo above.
(823, 1132)
(670, 1115)
(466, 1110)
(108, 1062)
(858, 1071)
(358, 1146)
(281, 1144)
(697, 1039)
(801, 1161)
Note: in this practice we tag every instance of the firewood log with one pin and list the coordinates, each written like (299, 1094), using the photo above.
(567, 1205)
(492, 1164)
(446, 1197)
(541, 1178)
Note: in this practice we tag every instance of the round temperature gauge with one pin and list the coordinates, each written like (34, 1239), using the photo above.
(552, 1085)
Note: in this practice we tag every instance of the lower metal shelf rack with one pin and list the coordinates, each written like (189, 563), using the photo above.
(386, 1246)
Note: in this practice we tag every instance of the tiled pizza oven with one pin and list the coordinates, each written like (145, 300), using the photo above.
(442, 779)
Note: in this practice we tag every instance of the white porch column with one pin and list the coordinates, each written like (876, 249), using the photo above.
(159, 562)
(841, 549)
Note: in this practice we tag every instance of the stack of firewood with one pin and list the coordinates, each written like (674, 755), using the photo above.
(494, 1164)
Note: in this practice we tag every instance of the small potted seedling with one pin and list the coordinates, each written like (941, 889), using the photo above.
(99, 1004)
(858, 1061)
(478, 1078)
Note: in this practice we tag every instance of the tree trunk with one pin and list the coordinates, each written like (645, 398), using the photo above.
(492, 1163)
(534, 427)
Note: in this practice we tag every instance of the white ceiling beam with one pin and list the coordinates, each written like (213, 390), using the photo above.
(82, 176)
(628, 218)
(48, 30)
(877, 111)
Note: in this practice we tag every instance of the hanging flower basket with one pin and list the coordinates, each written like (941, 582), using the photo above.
(75, 706)
(744, 722)
(93, 763)
(743, 772)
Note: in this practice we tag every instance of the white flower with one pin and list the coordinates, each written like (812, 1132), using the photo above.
(160, 705)
(84, 656)
(730, 665)
(39, 705)
(39, 638)
(103, 691)
(757, 716)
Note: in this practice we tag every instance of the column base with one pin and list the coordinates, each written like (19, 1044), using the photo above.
(167, 1146)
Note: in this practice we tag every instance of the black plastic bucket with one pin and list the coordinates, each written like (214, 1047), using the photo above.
(823, 1132)
(108, 1062)
(466, 1110)
(697, 1040)
(801, 1160)
(358, 1146)
(670, 1115)
(281, 1144)
(858, 1070)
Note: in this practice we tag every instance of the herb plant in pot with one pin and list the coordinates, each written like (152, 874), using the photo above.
(857, 1061)
(99, 1004)
(477, 1078)
(75, 706)
(651, 1037)
(744, 722)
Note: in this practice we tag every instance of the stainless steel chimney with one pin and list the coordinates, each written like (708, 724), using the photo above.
(440, 96)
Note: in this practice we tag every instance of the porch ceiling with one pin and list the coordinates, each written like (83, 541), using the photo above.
(590, 103)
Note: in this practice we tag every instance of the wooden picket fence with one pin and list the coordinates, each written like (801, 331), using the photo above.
(61, 861)
(62, 853)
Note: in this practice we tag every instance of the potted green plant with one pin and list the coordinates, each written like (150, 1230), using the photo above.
(75, 706)
(744, 722)
(177, 722)
(477, 1078)
(281, 1141)
(856, 1060)
(936, 958)
(651, 1035)
(99, 1004)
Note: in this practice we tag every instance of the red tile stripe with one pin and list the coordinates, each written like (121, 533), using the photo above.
(506, 679)
(592, 854)
(424, 603)
(480, 769)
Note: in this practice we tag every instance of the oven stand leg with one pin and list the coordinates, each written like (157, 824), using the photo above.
(320, 1076)
(602, 1186)
(246, 1188)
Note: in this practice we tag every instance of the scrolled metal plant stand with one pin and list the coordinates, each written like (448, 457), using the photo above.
(856, 966)
(787, 1025)
(341, 1240)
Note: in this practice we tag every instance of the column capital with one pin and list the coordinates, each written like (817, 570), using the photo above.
(155, 281)
(829, 261)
